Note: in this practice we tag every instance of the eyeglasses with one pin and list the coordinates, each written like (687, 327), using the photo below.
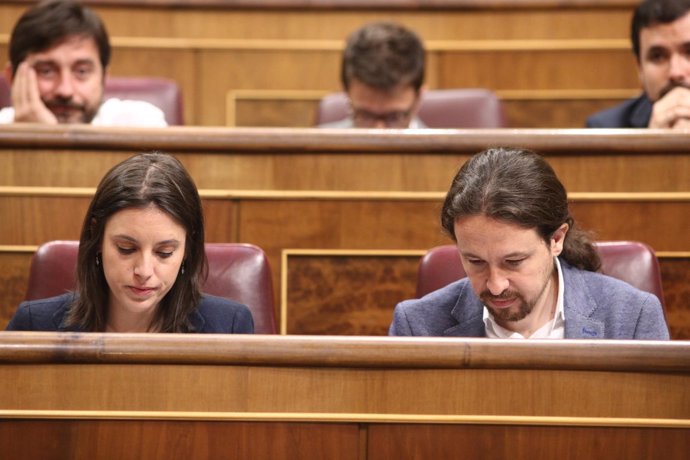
(395, 119)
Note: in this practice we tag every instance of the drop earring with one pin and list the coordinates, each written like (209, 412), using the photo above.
(182, 269)
(98, 259)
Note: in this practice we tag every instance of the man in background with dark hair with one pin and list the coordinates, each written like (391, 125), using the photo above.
(383, 75)
(530, 269)
(59, 55)
(660, 34)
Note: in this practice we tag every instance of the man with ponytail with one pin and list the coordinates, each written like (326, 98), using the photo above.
(531, 272)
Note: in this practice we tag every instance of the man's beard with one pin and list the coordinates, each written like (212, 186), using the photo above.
(504, 315)
(65, 110)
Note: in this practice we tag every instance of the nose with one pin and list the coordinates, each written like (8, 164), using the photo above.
(496, 283)
(679, 70)
(143, 267)
(65, 87)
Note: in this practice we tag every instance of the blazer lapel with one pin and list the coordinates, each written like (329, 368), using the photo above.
(578, 306)
(468, 313)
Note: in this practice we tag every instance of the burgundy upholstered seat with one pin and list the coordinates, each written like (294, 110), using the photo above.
(239, 272)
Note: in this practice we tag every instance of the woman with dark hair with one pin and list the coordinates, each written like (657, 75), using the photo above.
(141, 260)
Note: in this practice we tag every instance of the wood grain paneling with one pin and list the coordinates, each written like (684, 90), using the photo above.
(347, 294)
(14, 278)
(166, 440)
(675, 277)
(342, 160)
(525, 442)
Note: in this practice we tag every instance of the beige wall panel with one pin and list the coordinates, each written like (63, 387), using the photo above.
(538, 70)
(223, 71)
(176, 64)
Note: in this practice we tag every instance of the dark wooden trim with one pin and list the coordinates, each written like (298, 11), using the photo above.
(378, 352)
(276, 140)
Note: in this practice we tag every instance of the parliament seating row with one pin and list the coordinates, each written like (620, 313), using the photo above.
(324, 239)
(538, 60)
(240, 272)
(335, 192)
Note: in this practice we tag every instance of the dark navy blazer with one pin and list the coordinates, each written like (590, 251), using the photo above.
(633, 113)
(215, 315)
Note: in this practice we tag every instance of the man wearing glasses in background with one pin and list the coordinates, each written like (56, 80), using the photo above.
(383, 76)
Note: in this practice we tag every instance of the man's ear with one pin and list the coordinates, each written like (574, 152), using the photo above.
(8, 73)
(558, 238)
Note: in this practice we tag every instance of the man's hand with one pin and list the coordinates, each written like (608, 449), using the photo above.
(26, 99)
(672, 110)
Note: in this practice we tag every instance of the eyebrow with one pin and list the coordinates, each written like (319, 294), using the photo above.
(173, 241)
(507, 256)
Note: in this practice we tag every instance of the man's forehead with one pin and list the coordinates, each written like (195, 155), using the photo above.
(662, 34)
(82, 45)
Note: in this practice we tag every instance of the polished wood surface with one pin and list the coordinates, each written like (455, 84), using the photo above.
(312, 159)
(95, 394)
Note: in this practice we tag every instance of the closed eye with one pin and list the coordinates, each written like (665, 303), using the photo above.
(514, 262)
(125, 251)
(475, 261)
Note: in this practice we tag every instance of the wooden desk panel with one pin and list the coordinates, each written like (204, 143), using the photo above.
(364, 396)
(342, 160)
(171, 439)
(525, 442)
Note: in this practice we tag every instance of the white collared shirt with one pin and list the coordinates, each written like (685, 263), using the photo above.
(114, 112)
(554, 329)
